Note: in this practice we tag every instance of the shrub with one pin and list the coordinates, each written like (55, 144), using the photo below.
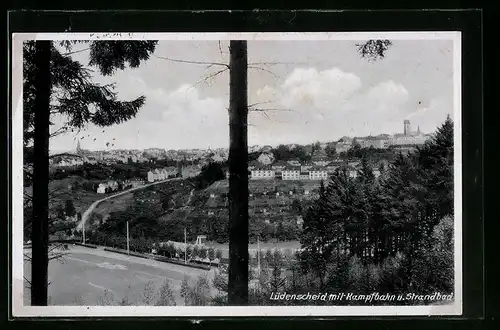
(166, 295)
(202, 253)
(218, 254)
(148, 294)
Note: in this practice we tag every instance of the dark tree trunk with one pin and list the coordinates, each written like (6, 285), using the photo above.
(39, 235)
(238, 179)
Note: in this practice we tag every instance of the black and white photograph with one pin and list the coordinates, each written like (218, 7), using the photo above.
(216, 174)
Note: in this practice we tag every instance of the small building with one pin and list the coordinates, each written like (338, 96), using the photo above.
(377, 142)
(266, 158)
(101, 189)
(291, 173)
(262, 172)
(151, 176)
(318, 173)
(304, 175)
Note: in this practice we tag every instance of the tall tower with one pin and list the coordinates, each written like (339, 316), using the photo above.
(418, 130)
(78, 148)
(407, 127)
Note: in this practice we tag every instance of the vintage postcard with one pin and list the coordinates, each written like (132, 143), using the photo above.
(122, 149)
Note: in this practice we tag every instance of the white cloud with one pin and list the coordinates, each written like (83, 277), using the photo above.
(318, 89)
(193, 119)
(328, 104)
(181, 118)
(387, 93)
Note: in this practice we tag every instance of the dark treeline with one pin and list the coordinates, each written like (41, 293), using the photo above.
(159, 221)
(375, 155)
(363, 235)
(118, 171)
(304, 153)
(397, 230)
(210, 173)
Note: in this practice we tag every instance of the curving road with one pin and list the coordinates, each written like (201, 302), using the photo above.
(91, 208)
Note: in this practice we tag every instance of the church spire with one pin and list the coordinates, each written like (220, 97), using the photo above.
(78, 147)
(418, 129)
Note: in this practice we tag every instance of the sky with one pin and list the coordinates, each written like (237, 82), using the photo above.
(314, 90)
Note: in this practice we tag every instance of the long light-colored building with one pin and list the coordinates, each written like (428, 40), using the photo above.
(161, 174)
(262, 173)
(409, 137)
(291, 173)
(318, 173)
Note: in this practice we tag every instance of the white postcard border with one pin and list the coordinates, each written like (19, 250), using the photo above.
(18, 308)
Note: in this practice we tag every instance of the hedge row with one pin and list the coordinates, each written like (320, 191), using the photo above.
(158, 258)
(92, 246)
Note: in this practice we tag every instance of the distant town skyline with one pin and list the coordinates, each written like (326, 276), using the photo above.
(80, 145)
(319, 91)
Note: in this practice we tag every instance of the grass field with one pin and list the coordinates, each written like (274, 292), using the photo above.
(60, 190)
(119, 203)
(179, 191)
(83, 276)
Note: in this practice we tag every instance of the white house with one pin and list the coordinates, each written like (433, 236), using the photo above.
(151, 176)
(291, 173)
(318, 173)
(262, 172)
(266, 158)
(101, 189)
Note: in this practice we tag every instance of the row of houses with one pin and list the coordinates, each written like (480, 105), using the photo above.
(113, 185)
(159, 174)
(409, 137)
(305, 171)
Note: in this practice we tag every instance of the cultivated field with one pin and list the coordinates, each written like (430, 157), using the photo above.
(259, 186)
